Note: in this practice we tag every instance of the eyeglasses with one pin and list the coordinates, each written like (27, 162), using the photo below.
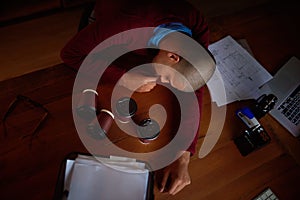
(13, 105)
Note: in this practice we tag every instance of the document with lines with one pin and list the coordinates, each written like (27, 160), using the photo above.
(237, 70)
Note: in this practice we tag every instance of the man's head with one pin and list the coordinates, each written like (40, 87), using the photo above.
(164, 65)
(172, 66)
(179, 60)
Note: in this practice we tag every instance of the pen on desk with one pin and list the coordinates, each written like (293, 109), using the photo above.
(248, 118)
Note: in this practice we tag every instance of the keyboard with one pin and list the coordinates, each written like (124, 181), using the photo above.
(290, 108)
(267, 194)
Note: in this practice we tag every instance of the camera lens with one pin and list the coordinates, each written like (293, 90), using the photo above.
(87, 108)
(96, 132)
(148, 130)
(125, 108)
(100, 126)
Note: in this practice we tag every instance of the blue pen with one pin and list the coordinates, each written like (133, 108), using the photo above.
(248, 117)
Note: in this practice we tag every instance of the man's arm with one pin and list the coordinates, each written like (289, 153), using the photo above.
(199, 26)
(175, 176)
(75, 51)
(199, 95)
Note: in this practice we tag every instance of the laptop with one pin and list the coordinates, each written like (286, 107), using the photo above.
(286, 87)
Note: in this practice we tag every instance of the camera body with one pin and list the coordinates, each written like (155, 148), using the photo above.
(251, 140)
(255, 136)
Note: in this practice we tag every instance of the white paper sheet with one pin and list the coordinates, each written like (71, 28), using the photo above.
(90, 179)
(242, 75)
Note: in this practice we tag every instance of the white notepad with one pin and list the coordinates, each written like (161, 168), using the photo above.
(107, 178)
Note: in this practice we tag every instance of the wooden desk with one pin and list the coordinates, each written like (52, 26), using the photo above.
(30, 172)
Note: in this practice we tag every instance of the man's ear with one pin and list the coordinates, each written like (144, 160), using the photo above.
(173, 57)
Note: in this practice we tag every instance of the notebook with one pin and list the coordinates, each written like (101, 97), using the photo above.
(87, 177)
(286, 87)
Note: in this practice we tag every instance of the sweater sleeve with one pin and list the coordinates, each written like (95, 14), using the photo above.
(76, 49)
(96, 43)
(201, 35)
(199, 94)
(199, 26)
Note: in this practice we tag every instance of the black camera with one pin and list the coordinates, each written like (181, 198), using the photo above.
(251, 140)
(263, 105)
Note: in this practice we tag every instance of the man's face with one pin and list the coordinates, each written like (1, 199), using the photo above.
(162, 64)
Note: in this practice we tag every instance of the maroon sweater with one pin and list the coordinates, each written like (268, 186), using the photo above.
(116, 16)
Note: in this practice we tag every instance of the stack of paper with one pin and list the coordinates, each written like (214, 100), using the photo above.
(117, 178)
(238, 75)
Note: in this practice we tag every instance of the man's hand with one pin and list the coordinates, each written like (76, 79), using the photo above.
(176, 176)
(138, 82)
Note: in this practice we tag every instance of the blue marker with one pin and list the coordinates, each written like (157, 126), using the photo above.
(248, 117)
